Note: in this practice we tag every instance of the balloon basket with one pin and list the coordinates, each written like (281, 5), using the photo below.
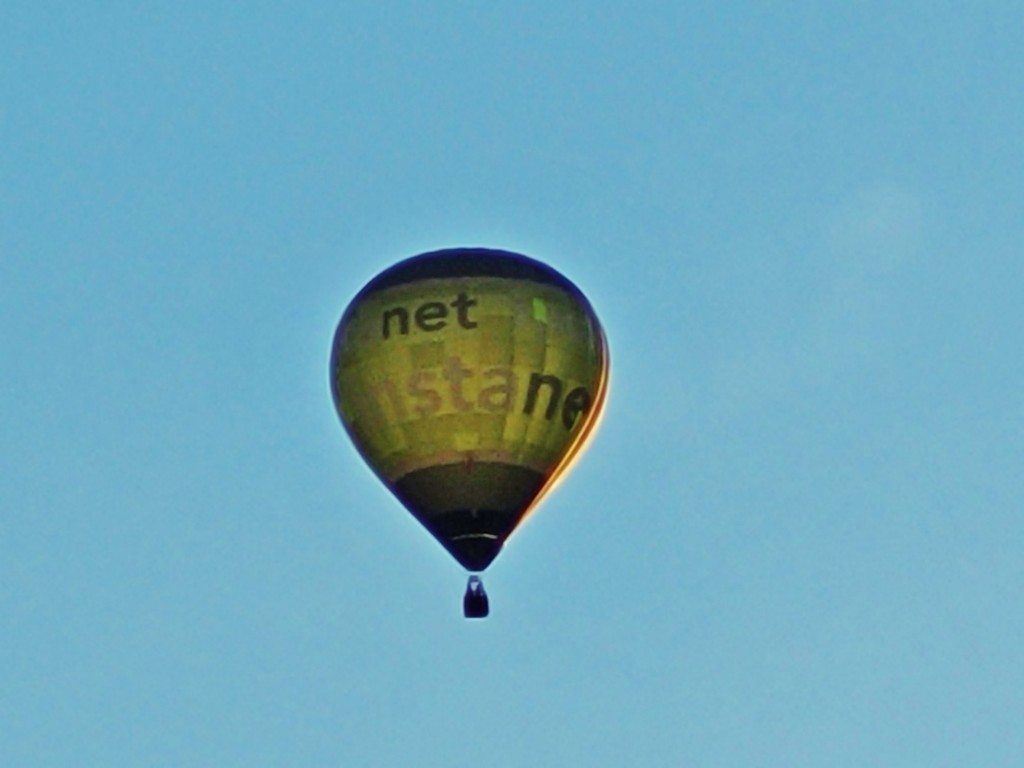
(475, 604)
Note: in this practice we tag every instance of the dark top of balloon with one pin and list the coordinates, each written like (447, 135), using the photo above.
(469, 262)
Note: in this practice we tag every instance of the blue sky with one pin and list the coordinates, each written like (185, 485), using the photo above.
(796, 539)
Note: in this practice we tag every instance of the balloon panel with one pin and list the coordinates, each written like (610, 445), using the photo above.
(467, 394)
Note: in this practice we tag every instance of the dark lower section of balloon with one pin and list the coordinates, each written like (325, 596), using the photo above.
(470, 508)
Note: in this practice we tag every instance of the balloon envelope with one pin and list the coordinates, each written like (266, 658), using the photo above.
(468, 379)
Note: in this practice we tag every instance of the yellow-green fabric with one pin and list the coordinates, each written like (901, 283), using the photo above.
(468, 380)
(424, 378)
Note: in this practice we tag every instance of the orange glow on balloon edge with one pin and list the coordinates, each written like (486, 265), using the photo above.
(583, 439)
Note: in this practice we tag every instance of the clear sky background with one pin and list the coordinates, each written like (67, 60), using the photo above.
(797, 539)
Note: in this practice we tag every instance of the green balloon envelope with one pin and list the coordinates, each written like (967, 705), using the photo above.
(468, 380)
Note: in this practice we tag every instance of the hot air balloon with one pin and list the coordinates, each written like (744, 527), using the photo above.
(469, 379)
